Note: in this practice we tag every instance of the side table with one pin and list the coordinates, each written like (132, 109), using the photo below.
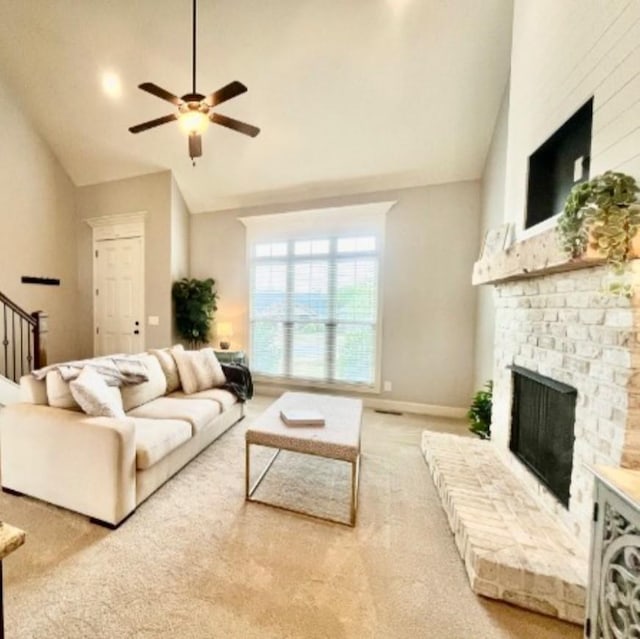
(10, 539)
(231, 357)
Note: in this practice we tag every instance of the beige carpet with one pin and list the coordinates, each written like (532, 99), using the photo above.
(195, 561)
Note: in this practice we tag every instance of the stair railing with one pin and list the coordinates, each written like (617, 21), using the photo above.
(20, 340)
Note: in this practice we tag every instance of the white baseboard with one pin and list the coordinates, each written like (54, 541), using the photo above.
(376, 403)
(9, 392)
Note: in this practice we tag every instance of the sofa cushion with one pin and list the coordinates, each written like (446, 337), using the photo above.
(198, 412)
(93, 395)
(223, 397)
(168, 365)
(156, 438)
(138, 394)
(199, 370)
(59, 392)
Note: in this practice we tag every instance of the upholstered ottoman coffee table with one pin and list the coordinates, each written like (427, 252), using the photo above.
(339, 439)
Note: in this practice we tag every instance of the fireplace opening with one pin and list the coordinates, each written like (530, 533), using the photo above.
(542, 428)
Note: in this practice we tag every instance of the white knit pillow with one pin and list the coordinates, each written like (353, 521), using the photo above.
(198, 370)
(168, 365)
(93, 395)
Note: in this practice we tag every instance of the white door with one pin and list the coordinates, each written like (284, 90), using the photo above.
(119, 296)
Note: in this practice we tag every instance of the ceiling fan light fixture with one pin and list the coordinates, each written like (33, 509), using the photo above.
(193, 122)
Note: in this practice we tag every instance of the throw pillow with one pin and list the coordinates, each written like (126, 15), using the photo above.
(198, 370)
(93, 395)
(58, 392)
(168, 365)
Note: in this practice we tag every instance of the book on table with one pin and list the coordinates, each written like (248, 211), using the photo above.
(301, 417)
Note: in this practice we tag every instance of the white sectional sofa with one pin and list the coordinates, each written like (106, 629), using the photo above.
(104, 467)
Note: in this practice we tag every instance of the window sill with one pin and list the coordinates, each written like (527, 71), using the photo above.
(289, 382)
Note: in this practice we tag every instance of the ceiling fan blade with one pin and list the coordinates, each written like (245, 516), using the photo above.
(195, 145)
(236, 125)
(226, 93)
(159, 92)
(138, 128)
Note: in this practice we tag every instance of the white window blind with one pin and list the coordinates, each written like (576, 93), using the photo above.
(315, 295)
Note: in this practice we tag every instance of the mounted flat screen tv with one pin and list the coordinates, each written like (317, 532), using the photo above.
(560, 162)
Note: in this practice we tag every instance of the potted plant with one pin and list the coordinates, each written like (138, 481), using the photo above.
(195, 304)
(479, 413)
(601, 218)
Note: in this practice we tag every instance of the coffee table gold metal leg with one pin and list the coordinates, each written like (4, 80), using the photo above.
(252, 490)
(355, 483)
(247, 468)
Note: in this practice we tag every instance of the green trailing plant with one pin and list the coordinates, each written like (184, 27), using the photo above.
(479, 413)
(603, 214)
(195, 305)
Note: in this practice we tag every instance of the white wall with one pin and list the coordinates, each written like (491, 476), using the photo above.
(563, 53)
(493, 214)
(150, 193)
(37, 227)
(428, 303)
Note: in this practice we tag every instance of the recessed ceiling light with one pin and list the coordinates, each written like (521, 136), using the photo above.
(111, 84)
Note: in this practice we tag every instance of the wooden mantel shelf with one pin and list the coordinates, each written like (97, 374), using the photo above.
(533, 257)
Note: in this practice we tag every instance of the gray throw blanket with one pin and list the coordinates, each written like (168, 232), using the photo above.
(117, 370)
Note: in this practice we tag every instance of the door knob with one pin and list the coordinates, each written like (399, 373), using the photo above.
(136, 332)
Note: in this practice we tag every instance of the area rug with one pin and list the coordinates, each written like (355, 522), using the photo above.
(196, 561)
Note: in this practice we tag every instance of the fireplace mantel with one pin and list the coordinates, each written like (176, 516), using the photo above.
(536, 256)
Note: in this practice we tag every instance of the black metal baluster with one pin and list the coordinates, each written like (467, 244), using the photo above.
(21, 347)
(36, 339)
(5, 342)
(29, 336)
(13, 343)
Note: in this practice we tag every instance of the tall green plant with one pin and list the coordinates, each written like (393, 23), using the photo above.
(195, 304)
(479, 413)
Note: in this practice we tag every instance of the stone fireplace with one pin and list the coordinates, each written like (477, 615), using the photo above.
(555, 318)
(521, 519)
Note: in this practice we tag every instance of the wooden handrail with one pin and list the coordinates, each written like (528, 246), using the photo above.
(29, 317)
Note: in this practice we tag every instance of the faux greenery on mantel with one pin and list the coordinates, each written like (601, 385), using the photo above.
(195, 304)
(602, 214)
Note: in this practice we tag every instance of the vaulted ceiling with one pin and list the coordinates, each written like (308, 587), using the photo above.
(351, 95)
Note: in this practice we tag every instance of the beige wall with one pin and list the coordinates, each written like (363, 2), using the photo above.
(428, 300)
(591, 50)
(37, 227)
(179, 241)
(493, 214)
(150, 193)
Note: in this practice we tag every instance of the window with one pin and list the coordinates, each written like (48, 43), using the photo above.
(314, 295)
(314, 309)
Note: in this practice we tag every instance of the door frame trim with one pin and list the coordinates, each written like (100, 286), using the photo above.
(117, 227)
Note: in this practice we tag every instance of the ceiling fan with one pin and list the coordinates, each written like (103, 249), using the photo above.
(194, 110)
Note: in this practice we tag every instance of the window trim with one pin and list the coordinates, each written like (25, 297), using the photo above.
(367, 219)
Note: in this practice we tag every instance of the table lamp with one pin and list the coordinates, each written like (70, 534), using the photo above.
(224, 331)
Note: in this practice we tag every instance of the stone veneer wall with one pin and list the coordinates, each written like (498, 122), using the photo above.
(565, 327)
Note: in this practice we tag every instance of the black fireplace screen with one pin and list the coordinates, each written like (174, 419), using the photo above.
(542, 421)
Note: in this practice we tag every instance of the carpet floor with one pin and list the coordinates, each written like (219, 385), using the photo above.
(196, 561)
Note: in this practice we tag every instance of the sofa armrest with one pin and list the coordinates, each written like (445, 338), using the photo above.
(67, 458)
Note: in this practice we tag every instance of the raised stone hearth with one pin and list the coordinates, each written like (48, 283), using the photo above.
(512, 549)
